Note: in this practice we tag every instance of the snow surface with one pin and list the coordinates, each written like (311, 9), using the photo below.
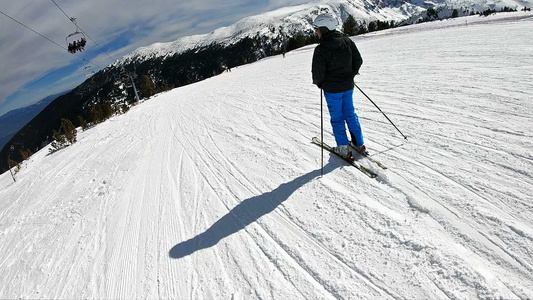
(213, 190)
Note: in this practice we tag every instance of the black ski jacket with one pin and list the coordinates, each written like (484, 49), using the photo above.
(336, 61)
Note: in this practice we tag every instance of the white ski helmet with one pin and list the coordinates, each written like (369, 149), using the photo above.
(326, 20)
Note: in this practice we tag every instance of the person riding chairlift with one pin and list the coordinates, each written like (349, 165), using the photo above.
(81, 44)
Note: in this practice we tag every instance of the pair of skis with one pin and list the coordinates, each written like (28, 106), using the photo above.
(354, 163)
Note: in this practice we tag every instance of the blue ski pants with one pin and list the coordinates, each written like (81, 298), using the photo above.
(341, 110)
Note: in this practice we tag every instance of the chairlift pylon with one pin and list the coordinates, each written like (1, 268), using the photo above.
(126, 78)
(74, 45)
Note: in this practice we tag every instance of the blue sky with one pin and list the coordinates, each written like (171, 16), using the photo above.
(33, 67)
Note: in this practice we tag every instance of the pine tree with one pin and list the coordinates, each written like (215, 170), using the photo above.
(11, 163)
(69, 131)
(59, 142)
(350, 26)
(66, 136)
(25, 154)
(147, 86)
(124, 107)
(95, 114)
(372, 26)
(82, 122)
(455, 13)
(107, 110)
(363, 28)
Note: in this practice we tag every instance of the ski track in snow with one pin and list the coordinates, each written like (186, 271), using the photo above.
(213, 190)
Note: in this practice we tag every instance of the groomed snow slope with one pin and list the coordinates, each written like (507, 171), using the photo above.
(213, 190)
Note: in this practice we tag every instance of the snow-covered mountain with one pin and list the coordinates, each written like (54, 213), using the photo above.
(285, 21)
(213, 190)
(288, 21)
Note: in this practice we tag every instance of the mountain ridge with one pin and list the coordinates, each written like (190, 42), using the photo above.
(288, 21)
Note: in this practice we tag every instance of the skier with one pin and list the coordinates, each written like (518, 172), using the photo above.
(336, 61)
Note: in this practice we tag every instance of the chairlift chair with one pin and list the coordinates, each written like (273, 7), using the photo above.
(88, 71)
(125, 78)
(121, 78)
(79, 37)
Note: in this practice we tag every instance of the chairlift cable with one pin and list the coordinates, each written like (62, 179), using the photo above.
(71, 19)
(62, 47)
(43, 36)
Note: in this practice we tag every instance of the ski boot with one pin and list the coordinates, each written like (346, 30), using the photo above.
(344, 151)
(359, 149)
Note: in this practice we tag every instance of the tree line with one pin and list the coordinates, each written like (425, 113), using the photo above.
(351, 27)
(98, 113)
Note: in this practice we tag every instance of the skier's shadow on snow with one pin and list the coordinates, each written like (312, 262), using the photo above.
(247, 212)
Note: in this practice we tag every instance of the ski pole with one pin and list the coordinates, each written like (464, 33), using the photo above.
(405, 137)
(322, 132)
